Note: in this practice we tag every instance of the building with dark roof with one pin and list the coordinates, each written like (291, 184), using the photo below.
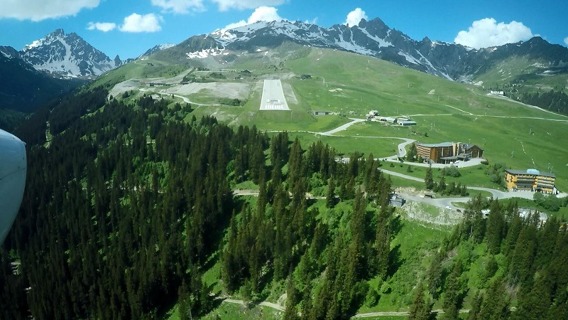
(530, 180)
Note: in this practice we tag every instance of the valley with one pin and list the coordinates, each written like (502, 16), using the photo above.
(271, 171)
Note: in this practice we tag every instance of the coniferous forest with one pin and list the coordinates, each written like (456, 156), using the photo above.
(129, 201)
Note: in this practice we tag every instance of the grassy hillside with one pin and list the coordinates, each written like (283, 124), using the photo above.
(349, 85)
(529, 80)
(519, 136)
(531, 74)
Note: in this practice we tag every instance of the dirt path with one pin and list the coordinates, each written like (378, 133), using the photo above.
(342, 127)
(185, 99)
(377, 314)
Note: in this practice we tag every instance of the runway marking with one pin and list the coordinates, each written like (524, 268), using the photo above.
(273, 96)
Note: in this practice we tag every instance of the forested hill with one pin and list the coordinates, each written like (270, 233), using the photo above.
(130, 203)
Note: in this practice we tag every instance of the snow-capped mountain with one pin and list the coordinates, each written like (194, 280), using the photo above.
(67, 56)
(372, 38)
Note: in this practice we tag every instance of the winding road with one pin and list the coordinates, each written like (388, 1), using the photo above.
(446, 203)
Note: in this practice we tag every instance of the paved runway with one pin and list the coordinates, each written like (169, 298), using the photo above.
(273, 96)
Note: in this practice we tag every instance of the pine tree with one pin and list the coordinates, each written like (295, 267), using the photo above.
(535, 300)
(358, 227)
(495, 304)
(453, 293)
(429, 180)
(435, 275)
(293, 297)
(330, 196)
(383, 241)
(412, 153)
(442, 185)
(495, 228)
(421, 307)
(475, 307)
(521, 267)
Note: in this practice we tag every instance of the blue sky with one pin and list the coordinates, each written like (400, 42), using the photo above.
(130, 27)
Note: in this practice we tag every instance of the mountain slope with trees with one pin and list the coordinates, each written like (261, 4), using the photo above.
(24, 89)
(131, 203)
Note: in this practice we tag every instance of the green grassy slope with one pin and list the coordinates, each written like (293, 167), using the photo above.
(511, 133)
(350, 85)
(526, 72)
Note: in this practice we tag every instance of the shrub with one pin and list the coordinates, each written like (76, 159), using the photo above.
(451, 171)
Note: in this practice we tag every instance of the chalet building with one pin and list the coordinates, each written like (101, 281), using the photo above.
(530, 180)
(448, 152)
(435, 152)
(472, 150)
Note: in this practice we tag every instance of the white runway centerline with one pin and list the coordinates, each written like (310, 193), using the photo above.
(273, 96)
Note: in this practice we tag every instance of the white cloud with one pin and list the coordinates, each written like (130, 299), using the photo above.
(225, 5)
(566, 41)
(37, 10)
(264, 14)
(179, 6)
(141, 23)
(488, 33)
(259, 14)
(355, 16)
(101, 26)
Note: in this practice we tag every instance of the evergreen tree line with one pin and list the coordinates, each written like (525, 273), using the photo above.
(126, 204)
(281, 239)
(556, 101)
(441, 186)
(10, 119)
(120, 212)
(524, 274)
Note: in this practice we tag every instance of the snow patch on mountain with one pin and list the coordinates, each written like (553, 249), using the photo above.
(205, 53)
(34, 44)
(382, 42)
(350, 45)
(409, 58)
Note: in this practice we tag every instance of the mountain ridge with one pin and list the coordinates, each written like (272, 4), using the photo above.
(372, 38)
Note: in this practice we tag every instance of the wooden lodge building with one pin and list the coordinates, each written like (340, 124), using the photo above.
(448, 152)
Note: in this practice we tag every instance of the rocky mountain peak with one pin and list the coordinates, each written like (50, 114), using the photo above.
(67, 56)
(372, 38)
(58, 33)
